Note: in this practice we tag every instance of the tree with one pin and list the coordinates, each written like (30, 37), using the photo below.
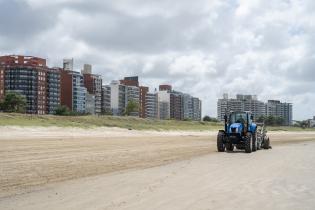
(209, 119)
(62, 110)
(271, 120)
(279, 121)
(13, 102)
(106, 112)
(261, 119)
(132, 106)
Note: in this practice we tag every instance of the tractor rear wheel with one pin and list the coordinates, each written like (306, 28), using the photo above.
(258, 142)
(266, 143)
(254, 142)
(220, 141)
(248, 143)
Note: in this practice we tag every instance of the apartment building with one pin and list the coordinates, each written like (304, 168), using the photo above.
(53, 89)
(134, 82)
(151, 106)
(133, 94)
(93, 84)
(2, 83)
(30, 77)
(248, 103)
(90, 104)
(143, 91)
(106, 96)
(165, 88)
(164, 112)
(46, 88)
(68, 64)
(176, 105)
(196, 106)
(73, 92)
(279, 109)
(117, 98)
(187, 107)
(257, 108)
(252, 104)
(311, 123)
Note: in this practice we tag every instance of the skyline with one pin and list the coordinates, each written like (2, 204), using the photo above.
(267, 47)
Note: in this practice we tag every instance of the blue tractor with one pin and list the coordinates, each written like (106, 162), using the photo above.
(239, 131)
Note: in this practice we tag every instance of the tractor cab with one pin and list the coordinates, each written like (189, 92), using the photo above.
(239, 123)
(238, 117)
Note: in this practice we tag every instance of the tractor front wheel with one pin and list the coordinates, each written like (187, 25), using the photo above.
(220, 141)
(248, 143)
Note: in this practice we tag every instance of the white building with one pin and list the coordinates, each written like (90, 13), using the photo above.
(120, 96)
(188, 112)
(132, 94)
(151, 106)
(106, 108)
(279, 109)
(311, 122)
(164, 111)
(90, 104)
(117, 98)
(68, 64)
(79, 93)
(196, 106)
(241, 103)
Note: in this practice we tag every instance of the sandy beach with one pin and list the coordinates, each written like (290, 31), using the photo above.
(111, 168)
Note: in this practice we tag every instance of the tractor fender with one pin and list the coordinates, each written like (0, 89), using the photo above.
(253, 128)
(223, 131)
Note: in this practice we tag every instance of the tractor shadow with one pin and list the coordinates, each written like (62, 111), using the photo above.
(236, 151)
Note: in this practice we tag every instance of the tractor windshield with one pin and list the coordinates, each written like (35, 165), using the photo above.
(238, 118)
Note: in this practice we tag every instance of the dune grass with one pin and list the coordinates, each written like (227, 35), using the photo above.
(103, 121)
(134, 123)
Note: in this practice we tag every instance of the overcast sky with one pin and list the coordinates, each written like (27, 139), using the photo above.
(202, 47)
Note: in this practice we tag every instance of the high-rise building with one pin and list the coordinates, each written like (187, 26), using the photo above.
(279, 109)
(30, 77)
(117, 98)
(132, 94)
(196, 104)
(134, 82)
(176, 105)
(130, 81)
(187, 107)
(164, 98)
(142, 100)
(93, 84)
(165, 88)
(248, 103)
(53, 89)
(251, 104)
(151, 106)
(87, 69)
(90, 104)
(106, 99)
(2, 83)
(73, 92)
(68, 64)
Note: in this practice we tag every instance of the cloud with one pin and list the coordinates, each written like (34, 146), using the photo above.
(205, 47)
